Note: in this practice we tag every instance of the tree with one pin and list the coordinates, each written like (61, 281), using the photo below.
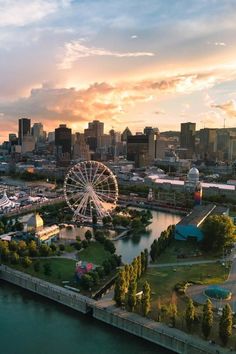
(87, 281)
(218, 233)
(134, 273)
(207, 318)
(26, 262)
(173, 314)
(120, 288)
(132, 291)
(189, 314)
(44, 250)
(88, 235)
(47, 269)
(146, 299)
(109, 246)
(62, 247)
(13, 246)
(15, 258)
(21, 247)
(154, 249)
(226, 324)
(53, 247)
(146, 259)
(32, 247)
(139, 266)
(84, 244)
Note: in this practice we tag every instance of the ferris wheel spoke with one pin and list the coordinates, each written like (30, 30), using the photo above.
(90, 171)
(75, 186)
(99, 179)
(81, 203)
(95, 174)
(81, 180)
(78, 200)
(76, 181)
(86, 173)
(105, 196)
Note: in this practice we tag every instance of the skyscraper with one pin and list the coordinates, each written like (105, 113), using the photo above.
(37, 132)
(93, 134)
(187, 137)
(24, 128)
(207, 144)
(141, 149)
(63, 145)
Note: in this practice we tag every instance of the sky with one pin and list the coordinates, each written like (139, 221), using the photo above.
(129, 63)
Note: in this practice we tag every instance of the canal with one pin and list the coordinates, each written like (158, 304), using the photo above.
(131, 246)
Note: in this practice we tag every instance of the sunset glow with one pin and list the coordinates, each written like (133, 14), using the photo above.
(120, 62)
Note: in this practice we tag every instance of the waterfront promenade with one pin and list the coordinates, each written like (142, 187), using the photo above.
(106, 311)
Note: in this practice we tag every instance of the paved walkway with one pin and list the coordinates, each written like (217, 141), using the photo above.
(186, 263)
(196, 292)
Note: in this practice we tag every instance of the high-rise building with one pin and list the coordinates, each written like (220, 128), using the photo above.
(37, 132)
(141, 149)
(207, 143)
(80, 148)
(63, 145)
(187, 137)
(125, 134)
(24, 128)
(28, 144)
(93, 134)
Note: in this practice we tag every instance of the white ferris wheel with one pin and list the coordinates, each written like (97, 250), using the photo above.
(90, 188)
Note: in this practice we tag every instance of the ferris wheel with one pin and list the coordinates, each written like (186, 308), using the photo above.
(90, 188)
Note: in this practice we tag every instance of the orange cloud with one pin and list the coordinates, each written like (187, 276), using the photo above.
(228, 107)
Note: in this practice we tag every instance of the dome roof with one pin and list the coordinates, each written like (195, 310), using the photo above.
(35, 221)
(193, 171)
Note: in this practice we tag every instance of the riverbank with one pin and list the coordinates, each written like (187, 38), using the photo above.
(105, 311)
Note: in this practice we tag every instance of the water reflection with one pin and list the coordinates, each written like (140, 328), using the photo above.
(132, 245)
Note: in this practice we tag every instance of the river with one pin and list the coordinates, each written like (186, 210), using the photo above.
(30, 324)
(131, 246)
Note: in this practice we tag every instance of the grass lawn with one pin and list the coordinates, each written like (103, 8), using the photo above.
(163, 280)
(94, 253)
(189, 249)
(62, 269)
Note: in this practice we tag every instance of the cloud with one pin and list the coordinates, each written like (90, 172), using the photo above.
(134, 36)
(21, 13)
(75, 50)
(221, 44)
(228, 108)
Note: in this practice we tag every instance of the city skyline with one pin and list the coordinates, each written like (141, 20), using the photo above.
(134, 64)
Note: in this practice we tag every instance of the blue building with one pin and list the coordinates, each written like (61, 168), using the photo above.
(190, 226)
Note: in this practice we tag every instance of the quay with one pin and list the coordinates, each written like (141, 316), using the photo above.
(105, 311)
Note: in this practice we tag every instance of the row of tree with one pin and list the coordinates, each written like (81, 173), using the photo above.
(207, 323)
(160, 244)
(125, 292)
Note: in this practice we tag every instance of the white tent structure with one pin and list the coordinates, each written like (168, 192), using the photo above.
(6, 203)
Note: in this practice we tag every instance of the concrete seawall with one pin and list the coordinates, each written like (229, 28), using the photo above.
(155, 332)
(57, 293)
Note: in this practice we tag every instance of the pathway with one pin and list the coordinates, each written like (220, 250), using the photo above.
(186, 263)
(196, 292)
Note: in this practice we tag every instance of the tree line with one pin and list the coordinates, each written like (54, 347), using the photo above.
(125, 291)
(160, 244)
(207, 321)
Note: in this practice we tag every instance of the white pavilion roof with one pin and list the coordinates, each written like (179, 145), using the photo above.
(5, 202)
